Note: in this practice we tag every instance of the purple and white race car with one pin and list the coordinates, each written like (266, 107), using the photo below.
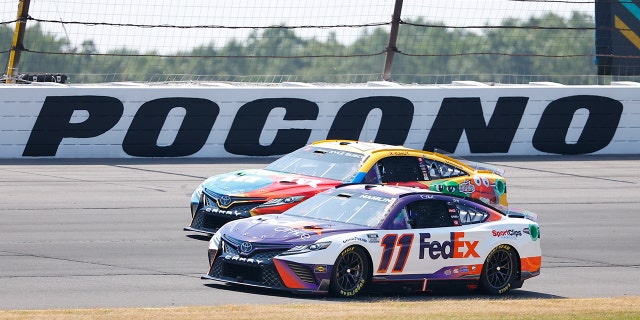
(342, 240)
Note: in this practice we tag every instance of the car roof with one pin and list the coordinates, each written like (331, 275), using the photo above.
(402, 191)
(388, 190)
(371, 148)
(357, 146)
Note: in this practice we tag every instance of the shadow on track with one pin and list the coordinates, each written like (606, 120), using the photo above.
(373, 295)
(201, 237)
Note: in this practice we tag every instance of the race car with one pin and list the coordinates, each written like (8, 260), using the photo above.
(345, 239)
(325, 164)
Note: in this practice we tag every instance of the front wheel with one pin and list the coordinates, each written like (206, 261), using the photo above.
(499, 270)
(350, 272)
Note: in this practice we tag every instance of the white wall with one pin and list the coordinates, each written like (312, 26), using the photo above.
(110, 121)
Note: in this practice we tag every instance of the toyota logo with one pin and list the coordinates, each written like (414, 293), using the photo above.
(224, 201)
(245, 248)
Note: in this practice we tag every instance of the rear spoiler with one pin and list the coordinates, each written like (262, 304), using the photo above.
(524, 214)
(477, 166)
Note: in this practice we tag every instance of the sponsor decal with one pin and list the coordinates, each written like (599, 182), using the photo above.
(342, 153)
(224, 201)
(466, 187)
(246, 248)
(373, 238)
(293, 232)
(243, 178)
(375, 198)
(306, 182)
(355, 239)
(511, 233)
(237, 258)
(456, 116)
(223, 212)
(454, 248)
(320, 268)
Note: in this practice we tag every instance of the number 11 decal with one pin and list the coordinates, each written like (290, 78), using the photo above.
(389, 243)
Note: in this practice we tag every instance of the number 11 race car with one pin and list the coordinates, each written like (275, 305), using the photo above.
(301, 174)
(350, 237)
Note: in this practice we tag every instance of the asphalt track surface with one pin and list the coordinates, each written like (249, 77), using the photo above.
(108, 233)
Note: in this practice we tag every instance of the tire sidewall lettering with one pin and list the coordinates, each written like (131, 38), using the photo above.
(347, 250)
(355, 291)
(509, 250)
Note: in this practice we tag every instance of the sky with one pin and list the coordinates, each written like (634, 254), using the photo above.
(251, 13)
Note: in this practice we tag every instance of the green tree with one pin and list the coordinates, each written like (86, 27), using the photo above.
(546, 47)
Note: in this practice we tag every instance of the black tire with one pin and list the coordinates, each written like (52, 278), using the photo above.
(499, 271)
(351, 272)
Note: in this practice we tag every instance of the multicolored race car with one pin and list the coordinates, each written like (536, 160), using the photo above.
(301, 174)
(344, 239)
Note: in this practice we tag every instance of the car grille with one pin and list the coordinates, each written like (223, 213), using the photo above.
(265, 276)
(227, 202)
(205, 221)
(210, 217)
(246, 269)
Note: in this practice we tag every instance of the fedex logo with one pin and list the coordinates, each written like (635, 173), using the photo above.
(454, 248)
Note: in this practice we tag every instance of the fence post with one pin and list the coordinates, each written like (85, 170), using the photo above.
(393, 36)
(18, 36)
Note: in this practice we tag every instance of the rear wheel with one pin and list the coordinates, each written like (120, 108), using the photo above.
(499, 270)
(350, 273)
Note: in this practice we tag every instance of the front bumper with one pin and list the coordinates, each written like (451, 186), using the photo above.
(262, 268)
(208, 214)
(208, 220)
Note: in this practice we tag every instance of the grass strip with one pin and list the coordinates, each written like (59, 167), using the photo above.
(471, 309)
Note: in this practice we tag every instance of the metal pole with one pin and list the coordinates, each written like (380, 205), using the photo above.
(18, 37)
(393, 36)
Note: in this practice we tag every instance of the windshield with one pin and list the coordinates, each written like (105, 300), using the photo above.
(355, 208)
(319, 162)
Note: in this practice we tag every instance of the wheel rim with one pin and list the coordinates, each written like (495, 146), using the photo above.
(349, 271)
(499, 269)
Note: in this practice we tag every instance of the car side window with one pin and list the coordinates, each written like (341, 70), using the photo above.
(401, 221)
(400, 169)
(373, 175)
(470, 215)
(429, 214)
(440, 170)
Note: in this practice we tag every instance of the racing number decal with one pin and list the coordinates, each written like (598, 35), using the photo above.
(389, 243)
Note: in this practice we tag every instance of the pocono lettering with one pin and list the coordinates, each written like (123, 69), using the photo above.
(455, 117)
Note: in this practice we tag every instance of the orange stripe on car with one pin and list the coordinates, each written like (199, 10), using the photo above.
(531, 264)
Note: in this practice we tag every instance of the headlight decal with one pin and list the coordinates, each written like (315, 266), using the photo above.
(282, 201)
(215, 240)
(307, 248)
